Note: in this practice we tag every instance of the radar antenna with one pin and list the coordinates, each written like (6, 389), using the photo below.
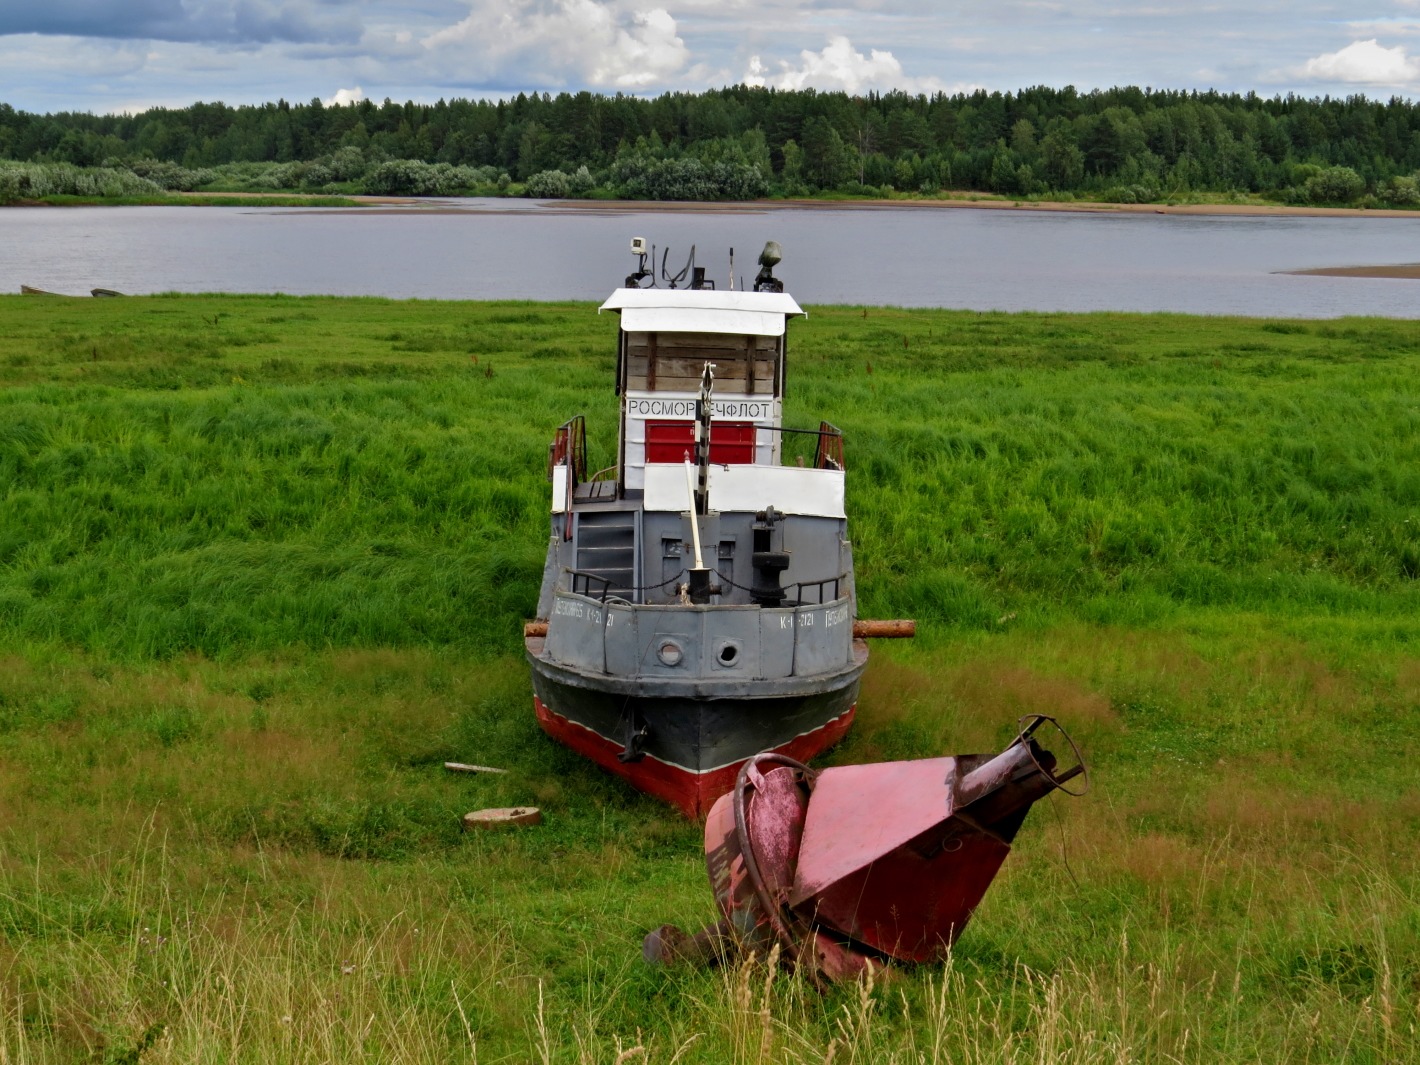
(638, 249)
(769, 258)
(672, 282)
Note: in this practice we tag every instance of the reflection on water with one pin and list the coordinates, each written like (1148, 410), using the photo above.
(495, 249)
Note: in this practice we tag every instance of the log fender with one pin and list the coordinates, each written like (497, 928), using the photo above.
(898, 629)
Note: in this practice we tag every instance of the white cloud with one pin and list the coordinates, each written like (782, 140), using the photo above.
(1363, 63)
(1391, 27)
(71, 57)
(343, 97)
(83, 54)
(840, 66)
(602, 44)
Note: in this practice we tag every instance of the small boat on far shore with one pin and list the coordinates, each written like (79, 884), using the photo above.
(30, 290)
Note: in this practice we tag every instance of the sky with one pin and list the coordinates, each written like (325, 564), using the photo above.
(128, 55)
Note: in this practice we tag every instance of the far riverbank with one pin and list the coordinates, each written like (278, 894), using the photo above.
(963, 201)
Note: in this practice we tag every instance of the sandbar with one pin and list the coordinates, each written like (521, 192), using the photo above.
(966, 203)
(411, 204)
(1410, 271)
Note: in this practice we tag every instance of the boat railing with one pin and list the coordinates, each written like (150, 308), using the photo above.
(818, 587)
(805, 593)
(829, 455)
(582, 583)
(568, 450)
(828, 450)
(569, 447)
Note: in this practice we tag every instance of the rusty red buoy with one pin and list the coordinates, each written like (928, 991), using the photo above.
(854, 866)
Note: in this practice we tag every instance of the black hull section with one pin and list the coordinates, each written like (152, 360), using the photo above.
(694, 734)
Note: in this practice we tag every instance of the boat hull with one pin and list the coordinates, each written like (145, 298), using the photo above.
(686, 750)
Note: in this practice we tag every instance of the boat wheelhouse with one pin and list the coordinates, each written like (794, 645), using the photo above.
(697, 605)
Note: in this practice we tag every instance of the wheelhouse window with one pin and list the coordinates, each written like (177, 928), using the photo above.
(672, 362)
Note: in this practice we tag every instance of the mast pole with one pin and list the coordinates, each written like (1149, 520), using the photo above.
(694, 520)
(698, 587)
(704, 409)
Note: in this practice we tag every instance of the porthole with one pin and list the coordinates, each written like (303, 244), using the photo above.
(728, 655)
(670, 653)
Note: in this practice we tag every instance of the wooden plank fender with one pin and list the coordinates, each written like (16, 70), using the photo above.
(896, 629)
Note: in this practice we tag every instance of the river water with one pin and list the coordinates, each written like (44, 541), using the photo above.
(520, 249)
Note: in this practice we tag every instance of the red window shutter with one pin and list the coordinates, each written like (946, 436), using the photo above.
(731, 443)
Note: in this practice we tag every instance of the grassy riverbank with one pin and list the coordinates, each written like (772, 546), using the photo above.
(262, 566)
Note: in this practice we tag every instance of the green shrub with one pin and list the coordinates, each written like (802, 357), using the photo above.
(639, 177)
(411, 177)
(1335, 184)
(171, 176)
(346, 164)
(1131, 194)
(33, 181)
(1402, 191)
(548, 185)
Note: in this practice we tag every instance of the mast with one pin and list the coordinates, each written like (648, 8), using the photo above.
(704, 411)
(699, 577)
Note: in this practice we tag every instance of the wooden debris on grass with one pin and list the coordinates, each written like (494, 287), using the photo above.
(502, 817)
(460, 767)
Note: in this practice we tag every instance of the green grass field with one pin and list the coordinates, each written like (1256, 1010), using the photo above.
(263, 567)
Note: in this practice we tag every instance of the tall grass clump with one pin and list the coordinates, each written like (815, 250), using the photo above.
(263, 563)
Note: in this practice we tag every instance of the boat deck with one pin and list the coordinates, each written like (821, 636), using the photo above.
(595, 492)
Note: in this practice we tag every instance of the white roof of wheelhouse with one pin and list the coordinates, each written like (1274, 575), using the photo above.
(684, 310)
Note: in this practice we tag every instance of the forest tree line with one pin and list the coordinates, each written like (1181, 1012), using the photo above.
(1122, 144)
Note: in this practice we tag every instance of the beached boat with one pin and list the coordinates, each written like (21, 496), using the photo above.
(697, 606)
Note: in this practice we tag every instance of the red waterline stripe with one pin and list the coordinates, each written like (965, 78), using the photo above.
(691, 792)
